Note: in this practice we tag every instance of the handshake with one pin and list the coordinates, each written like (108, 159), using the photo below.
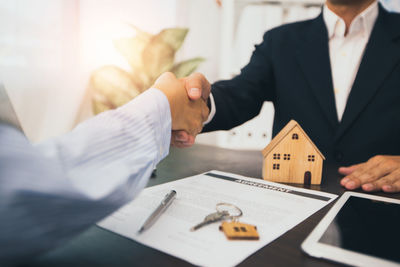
(187, 99)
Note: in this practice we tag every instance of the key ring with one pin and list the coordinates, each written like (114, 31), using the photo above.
(220, 208)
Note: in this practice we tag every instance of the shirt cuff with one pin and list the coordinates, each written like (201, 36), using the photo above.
(212, 110)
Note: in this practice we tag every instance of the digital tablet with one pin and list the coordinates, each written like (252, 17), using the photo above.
(359, 230)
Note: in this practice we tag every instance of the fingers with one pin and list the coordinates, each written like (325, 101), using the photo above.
(180, 144)
(377, 173)
(190, 141)
(385, 182)
(196, 114)
(197, 86)
(348, 170)
(196, 128)
(186, 137)
(393, 188)
(365, 172)
(189, 118)
(181, 139)
(180, 136)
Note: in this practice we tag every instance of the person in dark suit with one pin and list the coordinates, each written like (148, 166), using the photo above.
(338, 75)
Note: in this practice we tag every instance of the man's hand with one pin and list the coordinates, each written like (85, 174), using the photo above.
(197, 87)
(378, 173)
(187, 115)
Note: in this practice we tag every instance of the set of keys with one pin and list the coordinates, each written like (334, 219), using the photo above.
(233, 230)
(223, 213)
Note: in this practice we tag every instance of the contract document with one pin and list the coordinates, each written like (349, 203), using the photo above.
(273, 208)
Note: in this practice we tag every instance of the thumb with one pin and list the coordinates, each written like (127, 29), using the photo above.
(194, 93)
(197, 86)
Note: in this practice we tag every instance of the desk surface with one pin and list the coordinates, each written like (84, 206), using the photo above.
(98, 247)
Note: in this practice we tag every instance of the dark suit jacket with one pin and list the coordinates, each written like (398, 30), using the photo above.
(291, 68)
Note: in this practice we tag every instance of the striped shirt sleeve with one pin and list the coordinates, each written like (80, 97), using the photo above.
(53, 190)
(102, 153)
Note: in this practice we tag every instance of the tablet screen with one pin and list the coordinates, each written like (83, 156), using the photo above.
(366, 226)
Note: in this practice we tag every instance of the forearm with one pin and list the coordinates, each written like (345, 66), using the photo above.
(105, 152)
(233, 105)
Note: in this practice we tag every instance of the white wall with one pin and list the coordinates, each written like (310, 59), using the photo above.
(38, 53)
(203, 18)
(393, 5)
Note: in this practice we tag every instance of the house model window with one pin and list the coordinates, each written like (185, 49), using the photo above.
(301, 160)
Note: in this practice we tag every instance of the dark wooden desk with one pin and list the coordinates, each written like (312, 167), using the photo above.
(98, 247)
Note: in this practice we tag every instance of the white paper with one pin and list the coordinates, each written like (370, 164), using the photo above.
(273, 208)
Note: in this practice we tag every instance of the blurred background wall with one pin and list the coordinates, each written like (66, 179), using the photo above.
(48, 48)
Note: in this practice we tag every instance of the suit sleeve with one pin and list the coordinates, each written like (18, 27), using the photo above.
(240, 99)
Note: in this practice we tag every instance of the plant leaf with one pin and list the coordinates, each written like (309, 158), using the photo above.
(158, 57)
(187, 67)
(141, 80)
(141, 34)
(131, 49)
(112, 87)
(159, 54)
(101, 104)
(173, 36)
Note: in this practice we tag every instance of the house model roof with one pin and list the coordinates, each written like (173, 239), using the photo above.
(284, 132)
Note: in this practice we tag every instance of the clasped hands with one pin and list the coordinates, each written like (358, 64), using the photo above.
(187, 98)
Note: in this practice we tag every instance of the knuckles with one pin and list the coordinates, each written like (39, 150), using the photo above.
(367, 175)
(377, 159)
(389, 164)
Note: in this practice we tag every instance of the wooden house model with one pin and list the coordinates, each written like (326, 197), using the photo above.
(291, 157)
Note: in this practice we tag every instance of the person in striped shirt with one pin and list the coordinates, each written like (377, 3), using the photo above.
(51, 191)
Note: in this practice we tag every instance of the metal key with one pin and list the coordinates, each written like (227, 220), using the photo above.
(213, 217)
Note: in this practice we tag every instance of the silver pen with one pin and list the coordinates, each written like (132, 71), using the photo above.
(158, 211)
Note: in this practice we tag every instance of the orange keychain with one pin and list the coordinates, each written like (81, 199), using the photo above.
(235, 230)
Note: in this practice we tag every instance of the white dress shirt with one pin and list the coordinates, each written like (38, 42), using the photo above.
(345, 52)
(54, 190)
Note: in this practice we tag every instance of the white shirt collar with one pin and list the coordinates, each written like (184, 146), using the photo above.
(363, 22)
